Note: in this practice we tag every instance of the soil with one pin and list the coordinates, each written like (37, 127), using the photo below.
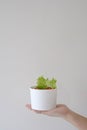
(43, 89)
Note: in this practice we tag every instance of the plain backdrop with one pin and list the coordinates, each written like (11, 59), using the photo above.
(42, 37)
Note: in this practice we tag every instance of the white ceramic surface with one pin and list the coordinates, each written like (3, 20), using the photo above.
(43, 99)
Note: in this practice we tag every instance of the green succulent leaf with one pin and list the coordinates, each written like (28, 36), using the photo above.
(41, 82)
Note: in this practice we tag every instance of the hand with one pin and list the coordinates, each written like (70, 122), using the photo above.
(61, 110)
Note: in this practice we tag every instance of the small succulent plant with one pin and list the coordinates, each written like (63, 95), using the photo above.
(45, 83)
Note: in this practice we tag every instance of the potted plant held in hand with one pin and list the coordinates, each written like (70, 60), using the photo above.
(44, 94)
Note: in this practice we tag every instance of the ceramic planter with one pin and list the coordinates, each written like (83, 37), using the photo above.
(43, 99)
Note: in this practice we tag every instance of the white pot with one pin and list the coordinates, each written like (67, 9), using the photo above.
(43, 99)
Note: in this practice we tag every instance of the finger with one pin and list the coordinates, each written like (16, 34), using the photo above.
(29, 106)
(36, 111)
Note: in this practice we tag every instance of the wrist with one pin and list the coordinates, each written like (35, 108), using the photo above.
(67, 114)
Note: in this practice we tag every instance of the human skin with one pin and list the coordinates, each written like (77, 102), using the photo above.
(67, 114)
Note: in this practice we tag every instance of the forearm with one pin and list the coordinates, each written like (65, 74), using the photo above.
(77, 120)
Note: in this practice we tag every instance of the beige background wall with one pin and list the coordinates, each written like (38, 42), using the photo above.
(42, 37)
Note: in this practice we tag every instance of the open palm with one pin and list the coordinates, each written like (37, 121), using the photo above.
(60, 110)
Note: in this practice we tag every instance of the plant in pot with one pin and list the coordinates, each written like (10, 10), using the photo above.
(44, 94)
